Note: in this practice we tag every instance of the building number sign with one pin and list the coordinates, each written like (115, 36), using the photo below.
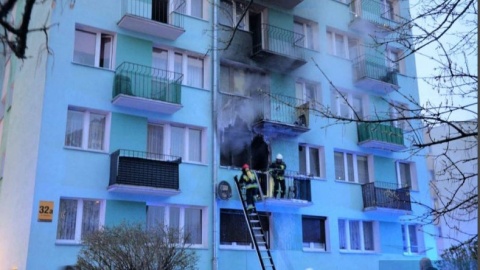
(45, 211)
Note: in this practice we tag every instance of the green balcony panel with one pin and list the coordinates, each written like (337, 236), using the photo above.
(381, 136)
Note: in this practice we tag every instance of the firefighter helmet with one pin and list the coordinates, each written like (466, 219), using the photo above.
(279, 156)
(245, 167)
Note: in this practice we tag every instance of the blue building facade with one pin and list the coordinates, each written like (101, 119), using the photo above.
(140, 108)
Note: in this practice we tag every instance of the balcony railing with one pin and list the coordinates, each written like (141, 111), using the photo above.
(281, 115)
(159, 18)
(373, 16)
(277, 48)
(375, 135)
(384, 196)
(298, 189)
(146, 88)
(142, 172)
(372, 73)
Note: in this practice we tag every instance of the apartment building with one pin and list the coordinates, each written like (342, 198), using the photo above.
(145, 110)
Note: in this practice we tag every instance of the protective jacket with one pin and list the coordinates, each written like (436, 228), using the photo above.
(277, 170)
(249, 179)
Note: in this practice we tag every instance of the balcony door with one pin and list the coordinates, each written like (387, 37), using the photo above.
(160, 10)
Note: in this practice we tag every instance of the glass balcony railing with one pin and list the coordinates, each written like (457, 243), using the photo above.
(375, 135)
(382, 195)
(134, 171)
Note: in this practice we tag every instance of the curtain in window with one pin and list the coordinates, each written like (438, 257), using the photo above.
(412, 233)
(67, 218)
(90, 217)
(368, 235)
(351, 171)
(177, 141)
(155, 216)
(74, 132)
(196, 8)
(302, 163)
(330, 42)
(342, 233)
(195, 72)
(405, 178)
(340, 45)
(155, 141)
(106, 51)
(193, 225)
(84, 50)
(362, 167)
(355, 243)
(314, 161)
(339, 166)
(96, 131)
(195, 145)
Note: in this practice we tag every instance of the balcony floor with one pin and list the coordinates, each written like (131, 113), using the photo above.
(284, 202)
(146, 104)
(150, 27)
(272, 128)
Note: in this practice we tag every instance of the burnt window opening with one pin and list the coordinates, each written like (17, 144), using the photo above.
(235, 144)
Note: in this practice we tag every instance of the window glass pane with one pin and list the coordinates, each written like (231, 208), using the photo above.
(412, 233)
(239, 82)
(309, 37)
(330, 44)
(310, 92)
(74, 132)
(233, 228)
(368, 235)
(313, 232)
(240, 9)
(352, 48)
(159, 59)
(155, 216)
(193, 225)
(405, 178)
(339, 166)
(362, 166)
(197, 8)
(91, 217)
(96, 132)
(351, 172)
(195, 145)
(298, 28)
(174, 218)
(354, 227)
(340, 45)
(67, 218)
(177, 141)
(177, 63)
(314, 162)
(106, 51)
(357, 106)
(195, 72)
(155, 140)
(84, 50)
(342, 234)
(302, 159)
(225, 79)
(225, 16)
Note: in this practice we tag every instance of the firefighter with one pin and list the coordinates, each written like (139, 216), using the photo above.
(277, 171)
(248, 179)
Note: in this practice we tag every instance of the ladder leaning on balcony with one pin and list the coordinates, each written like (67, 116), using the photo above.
(256, 232)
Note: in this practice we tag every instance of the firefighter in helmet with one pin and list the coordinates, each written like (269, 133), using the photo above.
(248, 179)
(277, 171)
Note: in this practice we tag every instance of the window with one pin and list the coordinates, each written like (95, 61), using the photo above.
(348, 105)
(411, 235)
(356, 235)
(78, 217)
(406, 175)
(192, 8)
(191, 66)
(390, 9)
(87, 129)
(393, 60)
(234, 229)
(351, 167)
(342, 45)
(309, 92)
(308, 30)
(93, 48)
(188, 220)
(311, 160)
(231, 12)
(240, 81)
(182, 141)
(399, 111)
(314, 233)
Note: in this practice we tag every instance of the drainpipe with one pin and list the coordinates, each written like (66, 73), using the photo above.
(214, 133)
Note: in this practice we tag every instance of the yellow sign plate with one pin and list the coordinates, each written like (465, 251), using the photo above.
(45, 211)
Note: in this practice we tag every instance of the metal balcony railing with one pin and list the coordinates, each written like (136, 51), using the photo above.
(136, 168)
(380, 135)
(278, 41)
(147, 82)
(163, 11)
(377, 12)
(386, 195)
(297, 186)
(282, 109)
(373, 67)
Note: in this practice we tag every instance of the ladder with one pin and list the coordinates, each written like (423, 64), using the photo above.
(256, 232)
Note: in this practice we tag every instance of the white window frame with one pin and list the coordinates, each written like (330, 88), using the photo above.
(188, 8)
(316, 246)
(182, 208)
(99, 34)
(332, 49)
(393, 14)
(184, 69)
(236, 14)
(355, 167)
(413, 174)
(342, 98)
(407, 245)
(167, 139)
(86, 128)
(308, 165)
(395, 114)
(303, 95)
(309, 31)
(392, 56)
(375, 234)
(78, 221)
